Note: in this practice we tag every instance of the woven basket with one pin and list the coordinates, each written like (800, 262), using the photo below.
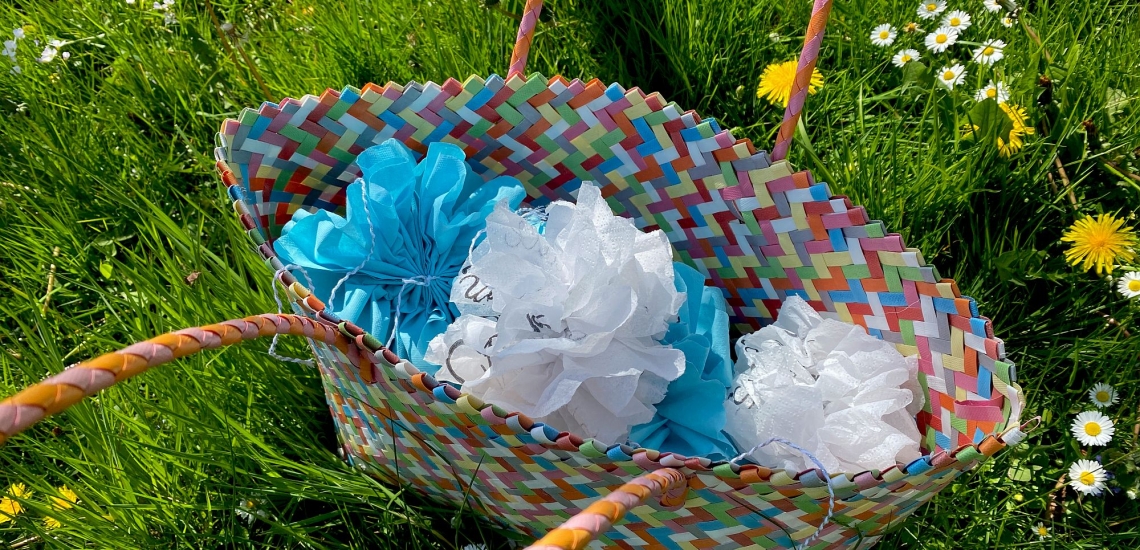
(758, 229)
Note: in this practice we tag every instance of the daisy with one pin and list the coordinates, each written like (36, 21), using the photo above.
(1012, 142)
(1129, 284)
(931, 8)
(991, 6)
(10, 50)
(990, 52)
(1087, 477)
(905, 56)
(940, 39)
(1103, 395)
(1042, 531)
(996, 91)
(777, 79)
(952, 76)
(1092, 428)
(1100, 242)
(1007, 21)
(9, 505)
(884, 35)
(957, 20)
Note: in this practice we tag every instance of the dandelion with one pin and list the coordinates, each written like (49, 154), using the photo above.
(990, 52)
(957, 20)
(1100, 242)
(9, 505)
(1129, 285)
(1092, 428)
(1042, 531)
(905, 56)
(1007, 21)
(777, 79)
(67, 499)
(883, 35)
(1087, 477)
(991, 6)
(1103, 395)
(931, 8)
(940, 39)
(1013, 141)
(952, 76)
(996, 91)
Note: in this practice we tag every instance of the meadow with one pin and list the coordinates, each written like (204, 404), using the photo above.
(114, 227)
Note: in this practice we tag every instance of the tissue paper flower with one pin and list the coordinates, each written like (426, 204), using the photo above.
(690, 420)
(1103, 395)
(1087, 477)
(1093, 428)
(563, 325)
(406, 233)
(828, 387)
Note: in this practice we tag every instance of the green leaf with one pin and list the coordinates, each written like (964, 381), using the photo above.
(918, 74)
(105, 269)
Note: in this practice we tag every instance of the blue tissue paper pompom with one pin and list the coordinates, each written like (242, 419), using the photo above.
(407, 231)
(690, 420)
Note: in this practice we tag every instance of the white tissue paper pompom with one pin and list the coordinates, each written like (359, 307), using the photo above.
(827, 386)
(561, 323)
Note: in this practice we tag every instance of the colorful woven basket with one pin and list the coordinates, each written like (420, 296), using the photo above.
(759, 230)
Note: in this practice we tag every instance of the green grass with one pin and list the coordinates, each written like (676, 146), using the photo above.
(108, 159)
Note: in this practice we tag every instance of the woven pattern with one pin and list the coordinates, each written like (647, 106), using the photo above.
(813, 39)
(757, 230)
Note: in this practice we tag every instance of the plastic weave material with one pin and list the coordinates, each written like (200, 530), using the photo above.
(756, 229)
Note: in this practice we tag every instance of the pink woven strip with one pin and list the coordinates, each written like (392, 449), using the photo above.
(804, 69)
(524, 38)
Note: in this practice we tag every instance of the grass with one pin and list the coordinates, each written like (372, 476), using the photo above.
(114, 228)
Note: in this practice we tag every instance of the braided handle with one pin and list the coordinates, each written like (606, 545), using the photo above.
(523, 40)
(668, 484)
(808, 56)
(67, 388)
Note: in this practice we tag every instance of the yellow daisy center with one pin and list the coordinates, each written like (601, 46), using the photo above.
(1134, 285)
(941, 39)
(1087, 478)
(1092, 428)
(931, 7)
(954, 21)
(948, 75)
(884, 35)
(991, 92)
(1042, 530)
(988, 51)
(906, 58)
(1102, 395)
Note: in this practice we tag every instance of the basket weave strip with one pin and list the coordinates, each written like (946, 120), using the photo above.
(526, 35)
(813, 39)
(63, 390)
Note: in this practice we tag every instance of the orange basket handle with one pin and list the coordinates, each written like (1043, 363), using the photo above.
(67, 388)
(667, 484)
(808, 56)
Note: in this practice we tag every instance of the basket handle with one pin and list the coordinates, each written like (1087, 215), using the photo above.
(668, 484)
(67, 388)
(808, 56)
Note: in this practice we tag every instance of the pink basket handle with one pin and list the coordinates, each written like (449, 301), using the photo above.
(667, 484)
(808, 56)
(57, 393)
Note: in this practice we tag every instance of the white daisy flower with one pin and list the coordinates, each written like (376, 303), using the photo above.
(884, 35)
(1042, 531)
(1092, 428)
(1007, 21)
(905, 56)
(929, 9)
(996, 91)
(65, 55)
(18, 33)
(1087, 477)
(48, 54)
(10, 50)
(957, 20)
(952, 76)
(991, 6)
(1103, 395)
(940, 39)
(990, 52)
(1129, 284)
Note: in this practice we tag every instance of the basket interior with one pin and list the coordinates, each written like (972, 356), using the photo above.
(756, 229)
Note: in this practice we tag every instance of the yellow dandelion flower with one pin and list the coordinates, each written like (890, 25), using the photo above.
(9, 505)
(66, 500)
(51, 523)
(1012, 143)
(1100, 242)
(777, 79)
